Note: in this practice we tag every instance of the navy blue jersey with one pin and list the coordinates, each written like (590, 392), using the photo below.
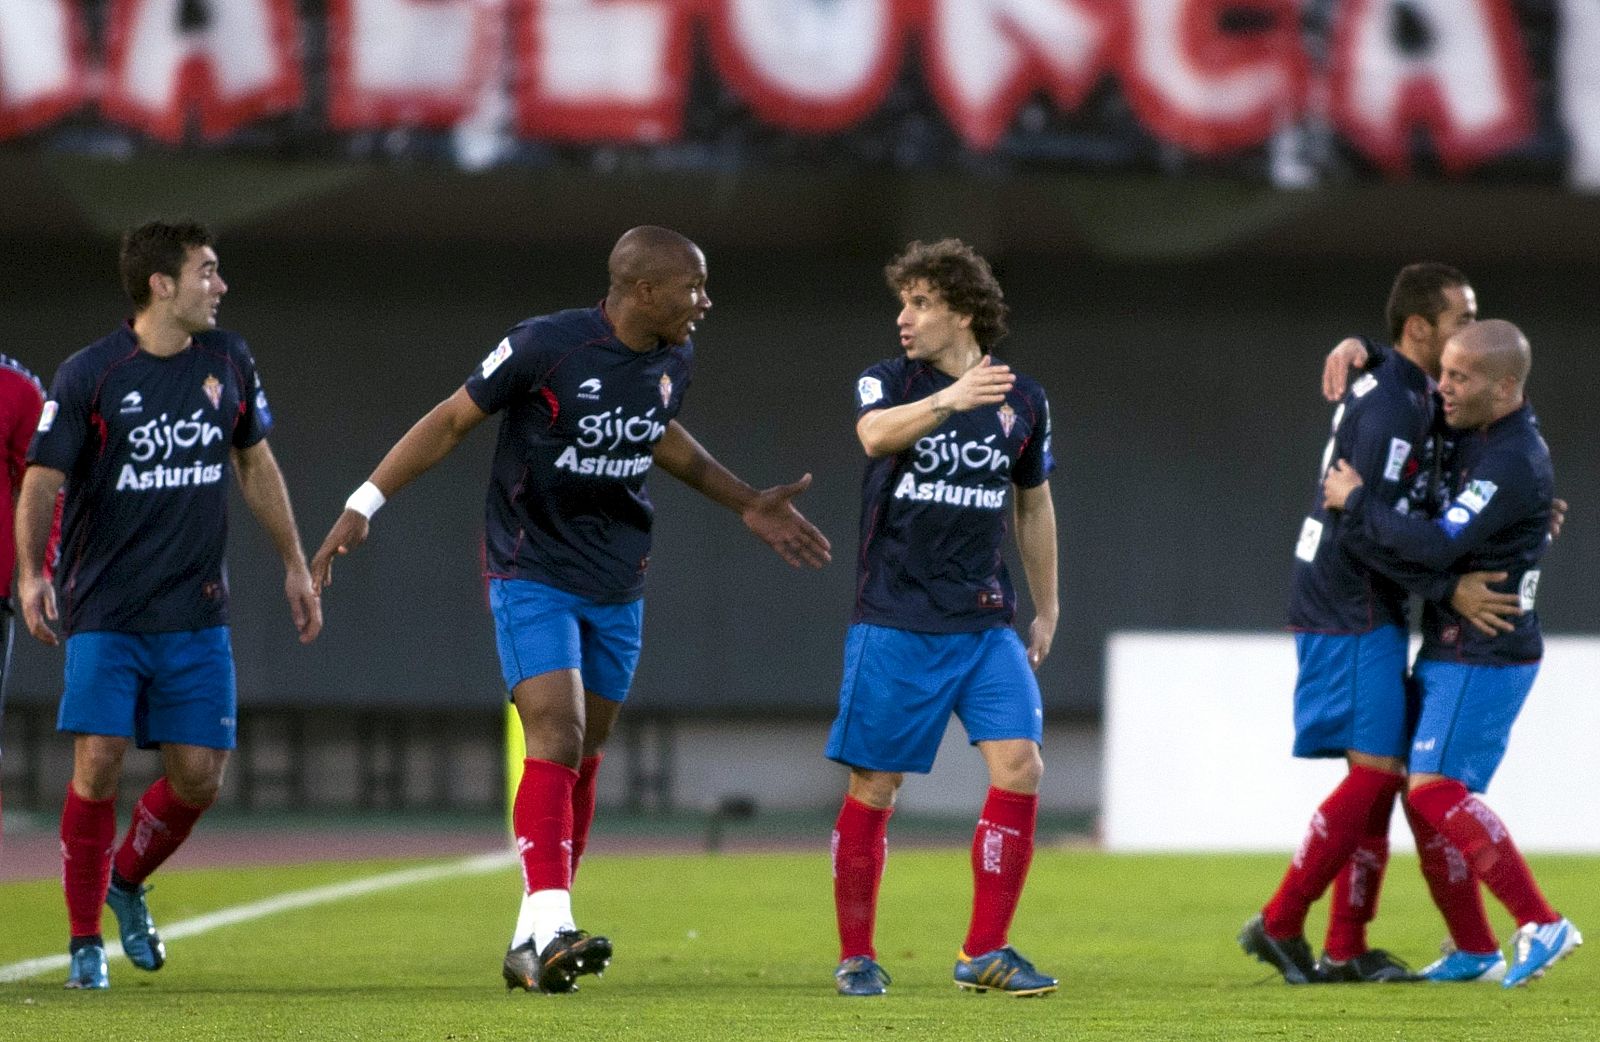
(144, 442)
(1501, 483)
(934, 516)
(583, 412)
(1385, 428)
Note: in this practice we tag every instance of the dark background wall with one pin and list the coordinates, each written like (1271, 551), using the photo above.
(1188, 426)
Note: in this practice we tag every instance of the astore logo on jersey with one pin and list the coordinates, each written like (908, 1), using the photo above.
(589, 390)
(132, 402)
(159, 435)
(944, 452)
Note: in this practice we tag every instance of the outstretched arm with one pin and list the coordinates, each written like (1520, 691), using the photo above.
(1036, 539)
(36, 514)
(769, 513)
(261, 484)
(428, 441)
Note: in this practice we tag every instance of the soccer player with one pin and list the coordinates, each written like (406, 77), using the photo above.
(1350, 623)
(590, 398)
(21, 399)
(1474, 685)
(140, 427)
(956, 443)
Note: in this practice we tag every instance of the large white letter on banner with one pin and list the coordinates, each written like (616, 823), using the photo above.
(601, 70)
(817, 65)
(1467, 80)
(985, 57)
(235, 63)
(1194, 83)
(410, 62)
(1578, 75)
(42, 68)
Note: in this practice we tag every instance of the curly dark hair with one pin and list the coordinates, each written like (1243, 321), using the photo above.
(1419, 290)
(963, 280)
(156, 247)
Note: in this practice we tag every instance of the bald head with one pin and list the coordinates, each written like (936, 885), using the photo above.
(650, 253)
(1482, 373)
(1499, 348)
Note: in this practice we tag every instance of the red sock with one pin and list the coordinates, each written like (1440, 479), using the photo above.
(860, 845)
(1479, 834)
(88, 828)
(1356, 888)
(1453, 886)
(161, 822)
(541, 817)
(1002, 849)
(583, 806)
(1336, 830)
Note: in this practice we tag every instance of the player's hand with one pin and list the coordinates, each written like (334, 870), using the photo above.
(305, 602)
(773, 517)
(1338, 483)
(347, 533)
(1041, 634)
(986, 383)
(1558, 516)
(38, 600)
(1489, 612)
(1350, 353)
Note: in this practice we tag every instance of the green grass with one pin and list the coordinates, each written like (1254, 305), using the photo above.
(742, 947)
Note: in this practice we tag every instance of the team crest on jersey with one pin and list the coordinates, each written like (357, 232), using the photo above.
(666, 390)
(213, 389)
(1008, 418)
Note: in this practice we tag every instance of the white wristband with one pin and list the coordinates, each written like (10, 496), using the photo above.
(365, 500)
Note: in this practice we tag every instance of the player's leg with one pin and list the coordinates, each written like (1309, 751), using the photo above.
(1472, 953)
(1466, 722)
(104, 682)
(612, 637)
(1003, 713)
(1349, 696)
(892, 715)
(1347, 957)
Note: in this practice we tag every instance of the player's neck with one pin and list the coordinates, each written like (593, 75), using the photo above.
(628, 326)
(158, 336)
(955, 360)
(1419, 356)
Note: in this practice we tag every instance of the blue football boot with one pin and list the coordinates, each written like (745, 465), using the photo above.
(88, 970)
(1459, 967)
(860, 976)
(1003, 970)
(140, 942)
(1535, 947)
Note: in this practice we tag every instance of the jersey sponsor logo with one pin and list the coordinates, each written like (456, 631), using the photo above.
(869, 390)
(47, 416)
(666, 390)
(132, 402)
(1476, 495)
(163, 436)
(1361, 387)
(1310, 539)
(938, 452)
(611, 429)
(589, 390)
(213, 389)
(949, 493)
(131, 480)
(501, 352)
(1008, 419)
(1399, 452)
(1528, 590)
(603, 466)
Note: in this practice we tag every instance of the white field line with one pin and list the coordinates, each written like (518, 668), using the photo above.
(320, 895)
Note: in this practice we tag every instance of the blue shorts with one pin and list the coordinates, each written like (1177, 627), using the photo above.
(900, 688)
(539, 628)
(1467, 713)
(152, 687)
(1351, 693)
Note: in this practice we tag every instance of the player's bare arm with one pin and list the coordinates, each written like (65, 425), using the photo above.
(429, 440)
(261, 483)
(884, 432)
(36, 512)
(1034, 513)
(769, 513)
(1350, 353)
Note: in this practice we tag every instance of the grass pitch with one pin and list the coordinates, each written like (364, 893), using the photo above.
(742, 947)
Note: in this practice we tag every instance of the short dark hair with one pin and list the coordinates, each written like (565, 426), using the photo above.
(156, 248)
(963, 279)
(1419, 290)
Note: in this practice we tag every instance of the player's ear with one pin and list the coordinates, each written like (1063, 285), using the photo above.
(1417, 328)
(162, 287)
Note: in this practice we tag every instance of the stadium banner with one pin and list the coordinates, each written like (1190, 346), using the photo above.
(1213, 713)
(1290, 91)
